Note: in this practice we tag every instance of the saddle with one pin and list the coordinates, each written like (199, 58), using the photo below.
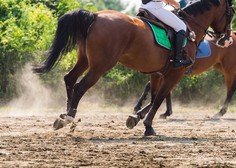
(166, 37)
(147, 16)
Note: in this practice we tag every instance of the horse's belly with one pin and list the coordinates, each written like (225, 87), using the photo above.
(145, 62)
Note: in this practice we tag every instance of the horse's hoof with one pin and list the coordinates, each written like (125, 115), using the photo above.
(217, 116)
(132, 121)
(162, 116)
(149, 132)
(58, 124)
(62, 121)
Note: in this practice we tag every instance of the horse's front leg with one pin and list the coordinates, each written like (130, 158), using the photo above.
(230, 80)
(138, 107)
(133, 120)
(171, 78)
(143, 97)
(154, 85)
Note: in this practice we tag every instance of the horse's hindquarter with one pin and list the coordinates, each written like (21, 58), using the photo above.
(117, 37)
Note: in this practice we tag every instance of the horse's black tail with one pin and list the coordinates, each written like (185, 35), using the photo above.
(72, 28)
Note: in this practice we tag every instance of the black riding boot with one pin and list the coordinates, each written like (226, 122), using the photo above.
(179, 60)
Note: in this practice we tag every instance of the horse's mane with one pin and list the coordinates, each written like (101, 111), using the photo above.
(200, 6)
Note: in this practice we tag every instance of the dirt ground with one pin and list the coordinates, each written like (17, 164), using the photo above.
(189, 138)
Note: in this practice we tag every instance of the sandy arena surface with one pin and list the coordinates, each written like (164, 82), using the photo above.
(189, 138)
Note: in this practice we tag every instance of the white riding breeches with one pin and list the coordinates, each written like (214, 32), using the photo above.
(164, 15)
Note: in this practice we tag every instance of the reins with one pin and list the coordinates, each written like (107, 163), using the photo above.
(229, 14)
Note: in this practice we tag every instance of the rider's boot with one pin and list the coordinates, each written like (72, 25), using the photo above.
(179, 59)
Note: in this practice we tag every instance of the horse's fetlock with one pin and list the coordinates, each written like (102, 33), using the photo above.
(147, 123)
(68, 120)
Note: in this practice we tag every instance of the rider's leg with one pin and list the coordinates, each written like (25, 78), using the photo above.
(177, 24)
(179, 59)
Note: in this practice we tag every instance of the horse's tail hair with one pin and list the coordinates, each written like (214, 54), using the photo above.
(72, 28)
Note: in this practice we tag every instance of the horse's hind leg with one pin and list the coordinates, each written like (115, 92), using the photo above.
(168, 107)
(71, 78)
(230, 80)
(85, 83)
(79, 90)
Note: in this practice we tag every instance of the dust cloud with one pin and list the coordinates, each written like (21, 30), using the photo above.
(37, 98)
(34, 97)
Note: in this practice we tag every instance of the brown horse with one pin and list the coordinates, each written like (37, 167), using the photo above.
(107, 37)
(222, 59)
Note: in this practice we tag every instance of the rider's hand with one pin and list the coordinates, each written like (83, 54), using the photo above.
(174, 3)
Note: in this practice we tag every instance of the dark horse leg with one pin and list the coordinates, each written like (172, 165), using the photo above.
(79, 90)
(160, 88)
(143, 97)
(171, 78)
(154, 86)
(168, 108)
(230, 80)
(71, 78)
(92, 76)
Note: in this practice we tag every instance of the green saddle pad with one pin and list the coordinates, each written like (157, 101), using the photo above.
(161, 37)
